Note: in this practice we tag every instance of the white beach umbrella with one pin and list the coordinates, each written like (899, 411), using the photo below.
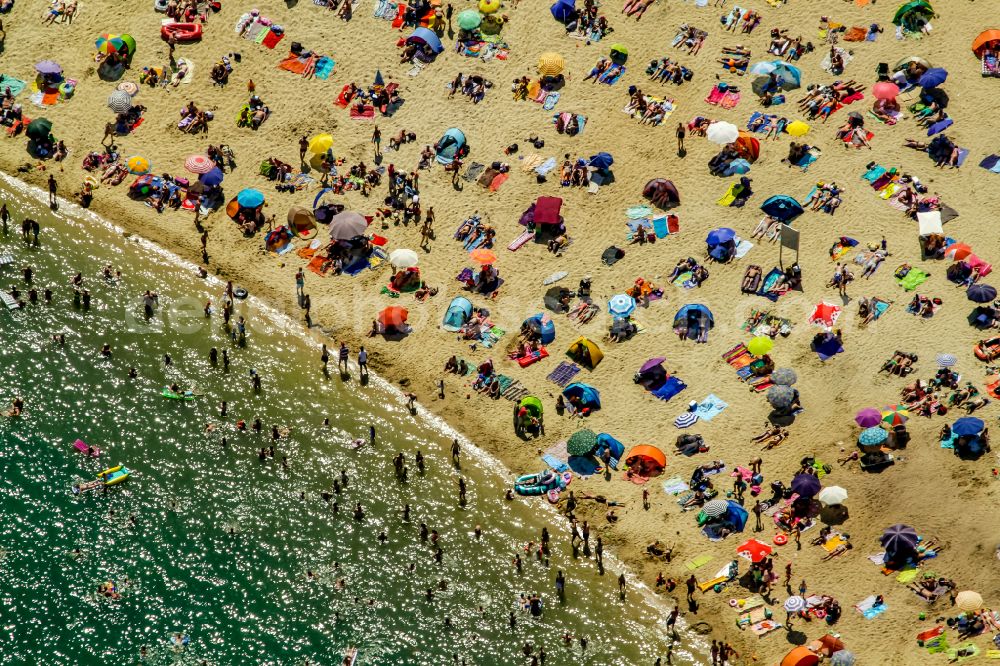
(832, 495)
(403, 258)
(794, 604)
(969, 600)
(722, 133)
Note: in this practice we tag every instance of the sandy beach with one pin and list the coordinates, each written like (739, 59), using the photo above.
(941, 495)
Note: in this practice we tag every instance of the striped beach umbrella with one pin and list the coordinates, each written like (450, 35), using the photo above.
(198, 163)
(686, 420)
(621, 305)
(715, 508)
(946, 360)
(119, 101)
(108, 43)
(551, 64)
(795, 603)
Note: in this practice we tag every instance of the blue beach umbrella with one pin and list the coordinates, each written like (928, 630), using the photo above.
(250, 198)
(621, 305)
(933, 77)
(967, 426)
(212, 179)
(981, 293)
(720, 236)
(872, 436)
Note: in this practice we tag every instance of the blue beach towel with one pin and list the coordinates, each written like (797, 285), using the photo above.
(768, 284)
(828, 349)
(557, 465)
(874, 173)
(711, 407)
(550, 101)
(16, 86)
(324, 68)
(545, 167)
(670, 388)
(612, 75)
(660, 226)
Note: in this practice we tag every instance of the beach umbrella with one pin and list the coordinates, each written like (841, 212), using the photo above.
(760, 345)
(686, 420)
(131, 87)
(797, 128)
(119, 101)
(393, 316)
(484, 256)
(946, 360)
(895, 415)
(198, 163)
(843, 658)
(794, 604)
(720, 236)
(832, 495)
(969, 600)
(784, 376)
(869, 417)
(551, 64)
(885, 90)
(581, 443)
(915, 59)
(715, 508)
(621, 305)
(320, 143)
(967, 426)
(722, 132)
(957, 251)
(898, 538)
(403, 258)
(754, 550)
(470, 19)
(48, 67)
(762, 68)
(738, 166)
(108, 44)
(981, 293)
(781, 397)
(250, 198)
(212, 179)
(872, 436)
(806, 485)
(39, 129)
(347, 225)
(138, 164)
(933, 77)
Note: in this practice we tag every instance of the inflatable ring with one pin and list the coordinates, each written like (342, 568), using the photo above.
(780, 539)
(734, 603)
(66, 90)
(489, 6)
(819, 613)
(160, 6)
(240, 293)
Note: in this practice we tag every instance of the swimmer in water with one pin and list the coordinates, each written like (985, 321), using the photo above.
(132, 373)
(106, 350)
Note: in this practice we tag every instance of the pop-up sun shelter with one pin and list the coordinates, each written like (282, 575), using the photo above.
(564, 11)
(988, 39)
(647, 458)
(782, 207)
(547, 210)
(585, 352)
(542, 326)
(426, 37)
(458, 313)
(661, 193)
(913, 15)
(583, 396)
(800, 656)
(449, 145)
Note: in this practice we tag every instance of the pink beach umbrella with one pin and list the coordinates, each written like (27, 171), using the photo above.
(885, 90)
(198, 164)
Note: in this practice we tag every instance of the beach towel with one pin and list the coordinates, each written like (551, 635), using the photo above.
(730, 100)
(550, 100)
(730, 196)
(16, 86)
(874, 173)
(293, 64)
(497, 181)
(660, 226)
(675, 486)
(808, 158)
(742, 249)
(769, 285)
(913, 279)
(564, 373)
(711, 407)
(324, 68)
(546, 167)
(556, 457)
(636, 212)
(518, 242)
(829, 348)
(697, 562)
(612, 75)
(670, 388)
(868, 608)
(715, 96)
(271, 39)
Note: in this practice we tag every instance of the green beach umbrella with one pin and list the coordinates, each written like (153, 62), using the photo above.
(39, 129)
(581, 443)
(469, 19)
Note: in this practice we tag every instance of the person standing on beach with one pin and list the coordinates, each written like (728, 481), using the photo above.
(300, 285)
(757, 510)
(599, 554)
(621, 586)
(456, 453)
(303, 148)
(692, 584)
(4, 217)
(53, 186)
(363, 366)
(715, 653)
(324, 356)
(680, 132)
(344, 354)
(377, 141)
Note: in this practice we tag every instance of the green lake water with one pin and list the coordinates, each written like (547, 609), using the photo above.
(221, 541)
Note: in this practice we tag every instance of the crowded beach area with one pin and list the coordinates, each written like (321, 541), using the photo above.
(710, 280)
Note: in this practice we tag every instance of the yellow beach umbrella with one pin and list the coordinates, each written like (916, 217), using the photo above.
(797, 128)
(320, 143)
(760, 345)
(138, 164)
(551, 64)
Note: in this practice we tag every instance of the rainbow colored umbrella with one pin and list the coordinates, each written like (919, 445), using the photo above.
(108, 44)
(895, 415)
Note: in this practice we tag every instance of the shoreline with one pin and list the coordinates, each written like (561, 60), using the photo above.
(437, 421)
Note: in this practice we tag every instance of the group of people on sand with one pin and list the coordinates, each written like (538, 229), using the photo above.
(821, 101)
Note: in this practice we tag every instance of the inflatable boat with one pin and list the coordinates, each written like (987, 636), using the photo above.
(541, 483)
(182, 32)
(109, 477)
(988, 350)
(170, 395)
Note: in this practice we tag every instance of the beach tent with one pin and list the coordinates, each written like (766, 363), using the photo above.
(988, 39)
(301, 222)
(619, 54)
(564, 11)
(543, 327)
(606, 441)
(585, 352)
(588, 397)
(748, 146)
(782, 207)
(547, 210)
(912, 15)
(393, 317)
(649, 455)
(800, 656)
(531, 405)
(426, 37)
(450, 143)
(458, 313)
(347, 225)
(695, 311)
(736, 516)
(661, 193)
